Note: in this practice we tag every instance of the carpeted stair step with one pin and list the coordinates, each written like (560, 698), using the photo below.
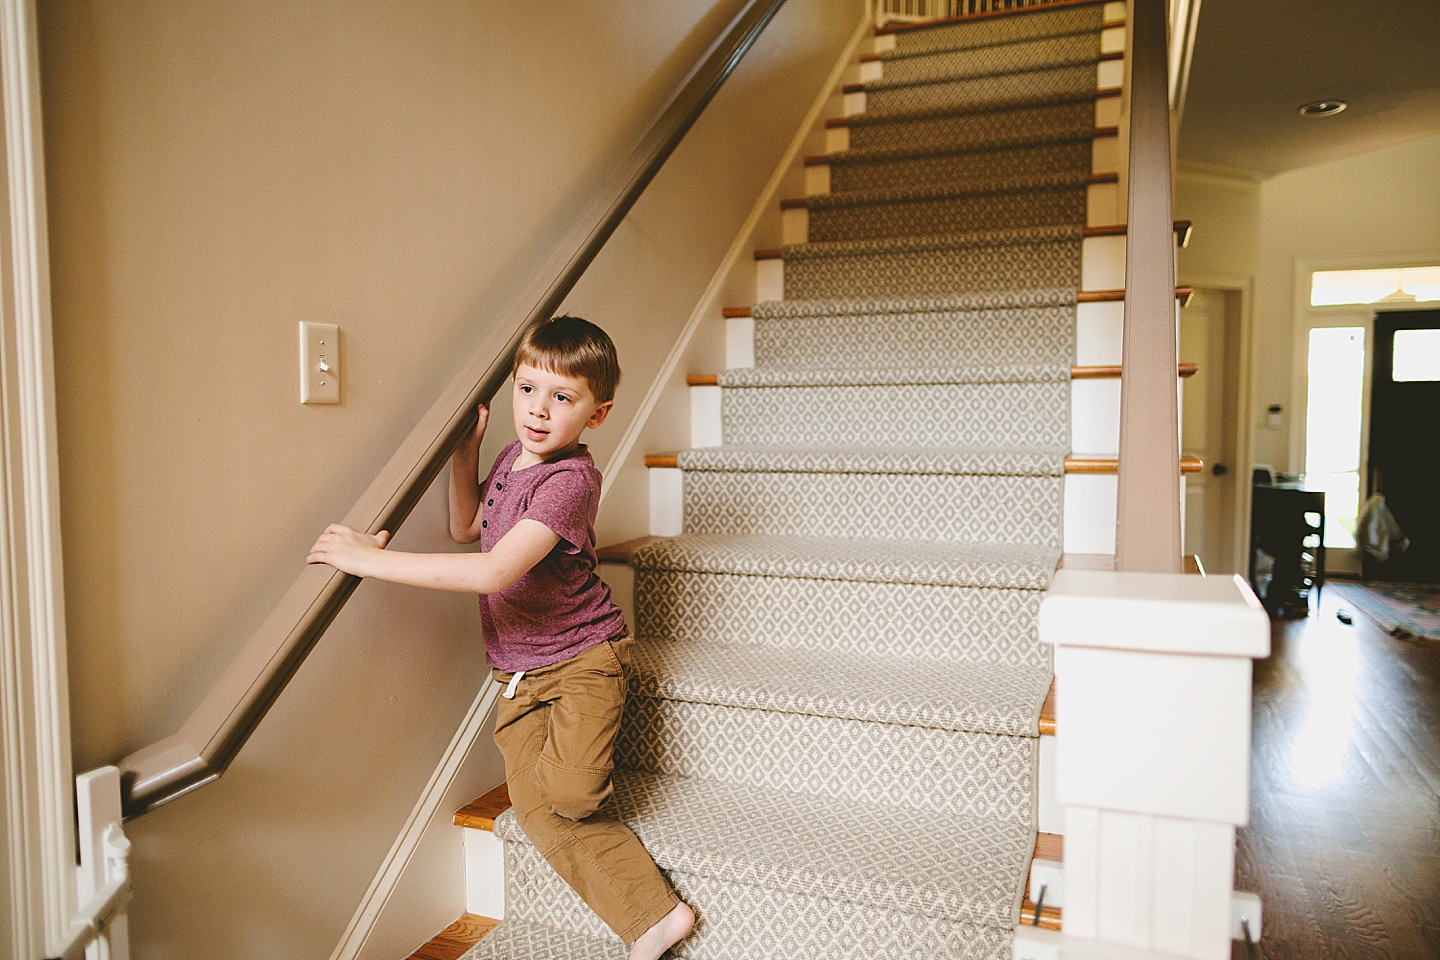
(846, 559)
(961, 406)
(982, 261)
(1004, 28)
(916, 493)
(953, 772)
(744, 921)
(972, 120)
(531, 939)
(960, 164)
(906, 67)
(942, 622)
(1015, 202)
(1050, 82)
(889, 853)
(999, 698)
(1031, 327)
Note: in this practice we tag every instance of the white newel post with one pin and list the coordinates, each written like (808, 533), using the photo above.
(1153, 738)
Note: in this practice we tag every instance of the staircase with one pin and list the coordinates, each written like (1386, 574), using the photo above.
(832, 740)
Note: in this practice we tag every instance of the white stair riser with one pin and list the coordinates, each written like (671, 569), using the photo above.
(1090, 513)
(1112, 40)
(1100, 204)
(1049, 874)
(484, 873)
(1049, 815)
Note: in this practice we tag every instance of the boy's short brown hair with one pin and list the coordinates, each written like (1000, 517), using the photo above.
(572, 347)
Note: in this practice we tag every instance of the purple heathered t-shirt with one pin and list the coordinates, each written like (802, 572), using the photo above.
(559, 607)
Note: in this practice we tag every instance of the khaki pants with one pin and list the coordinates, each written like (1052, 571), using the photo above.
(557, 735)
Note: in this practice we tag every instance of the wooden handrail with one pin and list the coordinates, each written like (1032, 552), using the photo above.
(225, 718)
(1147, 529)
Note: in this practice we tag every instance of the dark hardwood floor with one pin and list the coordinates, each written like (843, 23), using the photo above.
(1343, 844)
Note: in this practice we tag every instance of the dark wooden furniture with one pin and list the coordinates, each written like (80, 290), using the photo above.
(1287, 547)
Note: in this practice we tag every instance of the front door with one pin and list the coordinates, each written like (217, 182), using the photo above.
(1404, 454)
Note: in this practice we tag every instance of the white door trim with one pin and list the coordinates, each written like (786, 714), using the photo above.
(1244, 286)
(38, 840)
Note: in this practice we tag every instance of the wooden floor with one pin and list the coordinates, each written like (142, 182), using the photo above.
(1344, 838)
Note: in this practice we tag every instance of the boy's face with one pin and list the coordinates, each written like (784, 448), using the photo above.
(551, 411)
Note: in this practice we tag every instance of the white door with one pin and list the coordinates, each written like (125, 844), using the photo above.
(1209, 337)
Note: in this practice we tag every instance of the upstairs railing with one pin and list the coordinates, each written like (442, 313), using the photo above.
(1147, 528)
(224, 720)
(911, 11)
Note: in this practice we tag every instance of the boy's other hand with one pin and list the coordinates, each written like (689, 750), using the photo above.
(469, 445)
(347, 549)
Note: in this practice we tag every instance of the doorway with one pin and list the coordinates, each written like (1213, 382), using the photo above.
(1210, 338)
(1404, 461)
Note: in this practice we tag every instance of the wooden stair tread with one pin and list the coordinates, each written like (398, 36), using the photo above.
(481, 812)
(1047, 728)
(620, 552)
(1049, 916)
(1182, 293)
(1102, 372)
(455, 939)
(1073, 464)
(985, 15)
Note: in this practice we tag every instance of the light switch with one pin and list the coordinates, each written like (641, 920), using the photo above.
(319, 363)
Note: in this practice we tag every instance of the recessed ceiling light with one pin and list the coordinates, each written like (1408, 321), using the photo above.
(1323, 108)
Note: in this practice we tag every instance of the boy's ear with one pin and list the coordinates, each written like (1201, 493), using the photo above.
(601, 412)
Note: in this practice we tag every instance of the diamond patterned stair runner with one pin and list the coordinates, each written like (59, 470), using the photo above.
(830, 744)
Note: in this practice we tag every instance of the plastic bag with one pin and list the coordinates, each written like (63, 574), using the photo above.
(1377, 530)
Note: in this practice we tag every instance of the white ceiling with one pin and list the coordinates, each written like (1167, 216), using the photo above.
(1256, 62)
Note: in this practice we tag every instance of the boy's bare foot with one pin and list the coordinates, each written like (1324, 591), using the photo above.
(667, 932)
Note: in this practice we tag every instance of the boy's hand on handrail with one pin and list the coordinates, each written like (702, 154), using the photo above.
(465, 481)
(347, 549)
(469, 446)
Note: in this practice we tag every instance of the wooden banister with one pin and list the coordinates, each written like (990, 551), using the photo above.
(224, 719)
(1147, 530)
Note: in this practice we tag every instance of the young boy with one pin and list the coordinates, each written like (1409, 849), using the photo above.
(553, 636)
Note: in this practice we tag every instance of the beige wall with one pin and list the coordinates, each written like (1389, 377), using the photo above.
(1381, 204)
(219, 172)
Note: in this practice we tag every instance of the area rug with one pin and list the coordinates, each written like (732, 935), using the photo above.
(1401, 609)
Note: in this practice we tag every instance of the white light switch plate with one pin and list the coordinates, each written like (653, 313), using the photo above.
(319, 363)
